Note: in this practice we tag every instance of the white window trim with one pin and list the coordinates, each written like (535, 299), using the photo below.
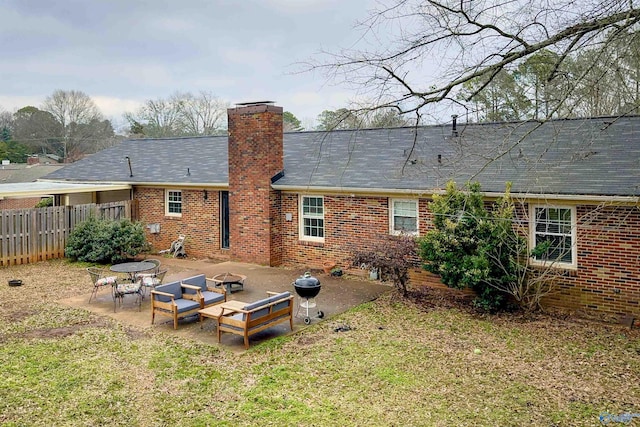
(301, 220)
(573, 265)
(394, 232)
(166, 203)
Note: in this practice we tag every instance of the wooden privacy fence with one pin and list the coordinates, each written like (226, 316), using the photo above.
(38, 234)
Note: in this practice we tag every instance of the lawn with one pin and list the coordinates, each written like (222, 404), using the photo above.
(421, 361)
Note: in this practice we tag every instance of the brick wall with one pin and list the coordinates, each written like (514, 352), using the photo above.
(255, 156)
(607, 280)
(348, 221)
(199, 221)
(608, 276)
(22, 203)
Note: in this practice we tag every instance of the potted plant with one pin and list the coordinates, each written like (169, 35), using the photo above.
(327, 266)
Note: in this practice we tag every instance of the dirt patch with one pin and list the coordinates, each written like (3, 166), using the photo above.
(61, 332)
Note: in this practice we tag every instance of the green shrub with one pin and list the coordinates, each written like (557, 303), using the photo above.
(462, 247)
(44, 203)
(102, 241)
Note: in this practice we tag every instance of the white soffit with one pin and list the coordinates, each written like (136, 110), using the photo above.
(46, 188)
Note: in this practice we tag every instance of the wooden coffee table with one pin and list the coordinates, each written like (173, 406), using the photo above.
(215, 311)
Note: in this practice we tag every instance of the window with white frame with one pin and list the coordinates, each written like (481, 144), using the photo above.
(553, 230)
(403, 216)
(312, 218)
(173, 202)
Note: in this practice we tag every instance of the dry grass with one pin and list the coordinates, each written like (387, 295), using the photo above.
(423, 361)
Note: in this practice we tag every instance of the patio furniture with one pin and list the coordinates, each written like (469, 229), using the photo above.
(120, 290)
(154, 262)
(172, 301)
(150, 280)
(246, 319)
(99, 279)
(231, 281)
(210, 295)
(132, 268)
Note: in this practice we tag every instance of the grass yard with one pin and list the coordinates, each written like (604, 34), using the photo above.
(388, 362)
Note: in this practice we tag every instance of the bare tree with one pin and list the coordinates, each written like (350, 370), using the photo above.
(425, 51)
(202, 115)
(73, 109)
(182, 114)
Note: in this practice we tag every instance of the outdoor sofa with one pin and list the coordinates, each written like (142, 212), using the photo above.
(256, 316)
(183, 298)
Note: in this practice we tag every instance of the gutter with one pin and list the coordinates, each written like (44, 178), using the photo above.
(352, 191)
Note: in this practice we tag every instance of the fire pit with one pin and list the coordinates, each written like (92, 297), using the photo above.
(307, 287)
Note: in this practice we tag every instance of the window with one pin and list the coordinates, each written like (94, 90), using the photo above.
(312, 214)
(173, 203)
(555, 227)
(403, 216)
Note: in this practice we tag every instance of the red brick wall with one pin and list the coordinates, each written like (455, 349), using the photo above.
(607, 280)
(348, 221)
(199, 222)
(23, 203)
(608, 276)
(255, 156)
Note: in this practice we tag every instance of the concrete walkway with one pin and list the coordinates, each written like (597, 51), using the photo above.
(336, 296)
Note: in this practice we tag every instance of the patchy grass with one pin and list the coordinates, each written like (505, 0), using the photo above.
(422, 361)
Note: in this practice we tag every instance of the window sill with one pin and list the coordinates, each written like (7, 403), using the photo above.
(311, 243)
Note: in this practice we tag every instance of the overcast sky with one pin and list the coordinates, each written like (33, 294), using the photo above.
(122, 52)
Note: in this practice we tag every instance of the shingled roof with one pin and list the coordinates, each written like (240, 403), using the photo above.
(596, 157)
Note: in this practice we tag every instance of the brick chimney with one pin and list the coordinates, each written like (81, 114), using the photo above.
(255, 155)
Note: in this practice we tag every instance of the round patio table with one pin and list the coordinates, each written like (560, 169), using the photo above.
(132, 268)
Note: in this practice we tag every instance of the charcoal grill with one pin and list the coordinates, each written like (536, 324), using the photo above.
(307, 287)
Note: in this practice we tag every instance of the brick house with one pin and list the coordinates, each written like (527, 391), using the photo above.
(303, 198)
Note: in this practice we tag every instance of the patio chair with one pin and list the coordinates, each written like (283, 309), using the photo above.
(151, 280)
(154, 262)
(99, 279)
(120, 290)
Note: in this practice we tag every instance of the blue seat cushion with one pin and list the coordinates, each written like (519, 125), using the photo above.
(170, 288)
(266, 301)
(186, 305)
(212, 297)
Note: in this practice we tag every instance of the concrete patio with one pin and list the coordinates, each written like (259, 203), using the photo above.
(338, 294)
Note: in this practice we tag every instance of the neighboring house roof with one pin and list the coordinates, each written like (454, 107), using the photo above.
(21, 172)
(593, 157)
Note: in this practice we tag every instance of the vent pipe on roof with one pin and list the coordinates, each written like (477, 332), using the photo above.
(454, 130)
(130, 170)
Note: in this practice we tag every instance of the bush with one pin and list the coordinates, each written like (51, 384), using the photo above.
(106, 242)
(461, 247)
(45, 203)
(395, 255)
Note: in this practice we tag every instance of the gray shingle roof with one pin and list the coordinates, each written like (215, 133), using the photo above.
(160, 161)
(580, 156)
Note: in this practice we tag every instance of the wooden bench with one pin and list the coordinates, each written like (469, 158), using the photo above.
(246, 319)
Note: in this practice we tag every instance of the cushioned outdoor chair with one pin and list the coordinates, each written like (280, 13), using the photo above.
(154, 262)
(99, 279)
(151, 280)
(120, 290)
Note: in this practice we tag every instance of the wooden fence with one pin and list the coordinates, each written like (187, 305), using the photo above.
(38, 234)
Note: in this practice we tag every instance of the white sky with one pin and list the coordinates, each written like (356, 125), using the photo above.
(123, 52)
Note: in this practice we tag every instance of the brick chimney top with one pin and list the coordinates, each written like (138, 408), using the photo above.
(254, 107)
(250, 103)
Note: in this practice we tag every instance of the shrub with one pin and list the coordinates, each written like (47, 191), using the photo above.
(394, 255)
(103, 241)
(485, 250)
(459, 249)
(44, 203)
